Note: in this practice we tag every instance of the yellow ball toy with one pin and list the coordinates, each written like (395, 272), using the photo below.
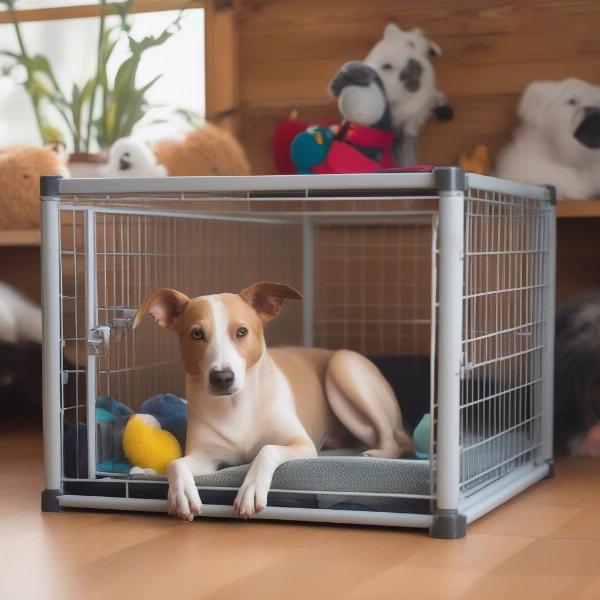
(148, 446)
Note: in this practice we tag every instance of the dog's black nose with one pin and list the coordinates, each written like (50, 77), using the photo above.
(221, 380)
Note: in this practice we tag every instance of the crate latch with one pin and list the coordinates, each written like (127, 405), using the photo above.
(98, 339)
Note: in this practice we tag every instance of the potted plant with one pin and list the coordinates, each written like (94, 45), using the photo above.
(100, 110)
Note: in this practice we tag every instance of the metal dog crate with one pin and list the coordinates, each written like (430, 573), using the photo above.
(452, 267)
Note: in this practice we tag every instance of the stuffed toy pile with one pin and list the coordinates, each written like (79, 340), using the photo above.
(384, 101)
(208, 150)
(20, 170)
(558, 140)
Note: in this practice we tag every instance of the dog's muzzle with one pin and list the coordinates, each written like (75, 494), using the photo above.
(588, 131)
(221, 381)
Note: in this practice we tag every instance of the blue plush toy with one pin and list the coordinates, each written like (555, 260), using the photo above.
(310, 147)
(421, 437)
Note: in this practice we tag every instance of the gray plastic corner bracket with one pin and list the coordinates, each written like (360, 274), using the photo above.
(50, 501)
(450, 179)
(49, 186)
(550, 470)
(551, 194)
(448, 525)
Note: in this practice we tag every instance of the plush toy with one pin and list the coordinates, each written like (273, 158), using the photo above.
(129, 157)
(363, 141)
(20, 171)
(149, 447)
(558, 140)
(476, 162)
(170, 411)
(421, 437)
(127, 446)
(402, 60)
(208, 150)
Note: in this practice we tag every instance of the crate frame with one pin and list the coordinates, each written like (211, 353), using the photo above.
(452, 511)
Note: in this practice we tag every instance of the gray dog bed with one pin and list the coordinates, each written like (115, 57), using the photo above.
(336, 474)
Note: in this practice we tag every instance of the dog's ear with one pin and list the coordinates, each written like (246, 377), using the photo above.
(165, 305)
(392, 32)
(266, 298)
(534, 100)
(429, 48)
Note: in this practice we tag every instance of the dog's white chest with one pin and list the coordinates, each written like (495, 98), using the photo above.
(261, 414)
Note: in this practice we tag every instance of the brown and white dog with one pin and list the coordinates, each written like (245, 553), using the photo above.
(247, 404)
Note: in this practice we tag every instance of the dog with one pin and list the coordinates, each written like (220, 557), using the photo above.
(247, 404)
(577, 375)
(402, 59)
(558, 141)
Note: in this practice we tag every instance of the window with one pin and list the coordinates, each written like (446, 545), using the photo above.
(70, 45)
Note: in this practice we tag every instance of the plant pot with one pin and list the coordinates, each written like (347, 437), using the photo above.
(82, 164)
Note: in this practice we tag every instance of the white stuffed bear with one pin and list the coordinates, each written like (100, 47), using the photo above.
(402, 60)
(129, 157)
(558, 141)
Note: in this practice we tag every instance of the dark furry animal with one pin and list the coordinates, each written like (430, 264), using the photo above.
(577, 374)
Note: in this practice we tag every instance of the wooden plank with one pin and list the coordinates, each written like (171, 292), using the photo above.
(291, 50)
(462, 17)
(93, 10)
(20, 237)
(570, 209)
(222, 65)
(308, 78)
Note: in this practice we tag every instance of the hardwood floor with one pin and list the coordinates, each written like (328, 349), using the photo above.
(545, 544)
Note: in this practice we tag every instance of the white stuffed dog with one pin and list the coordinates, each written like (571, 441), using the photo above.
(558, 141)
(402, 60)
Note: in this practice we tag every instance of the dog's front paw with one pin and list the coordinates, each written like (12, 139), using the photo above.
(183, 498)
(251, 499)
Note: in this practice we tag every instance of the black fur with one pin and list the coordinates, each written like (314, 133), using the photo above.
(588, 132)
(577, 367)
(411, 75)
(354, 73)
(444, 112)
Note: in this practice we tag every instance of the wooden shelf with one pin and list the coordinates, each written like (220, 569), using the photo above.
(571, 209)
(20, 237)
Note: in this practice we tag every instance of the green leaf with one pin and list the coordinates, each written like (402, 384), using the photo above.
(51, 133)
(122, 11)
(87, 91)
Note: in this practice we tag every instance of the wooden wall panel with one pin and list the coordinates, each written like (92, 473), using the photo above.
(491, 49)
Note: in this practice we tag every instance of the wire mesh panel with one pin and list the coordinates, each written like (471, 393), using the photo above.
(73, 342)
(505, 280)
(373, 291)
(137, 254)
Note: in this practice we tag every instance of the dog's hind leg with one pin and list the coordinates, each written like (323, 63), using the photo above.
(364, 402)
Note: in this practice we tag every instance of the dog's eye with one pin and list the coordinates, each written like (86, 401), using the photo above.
(572, 101)
(387, 67)
(198, 334)
(241, 332)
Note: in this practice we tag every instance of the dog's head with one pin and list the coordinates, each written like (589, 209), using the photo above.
(402, 60)
(360, 94)
(567, 114)
(220, 336)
